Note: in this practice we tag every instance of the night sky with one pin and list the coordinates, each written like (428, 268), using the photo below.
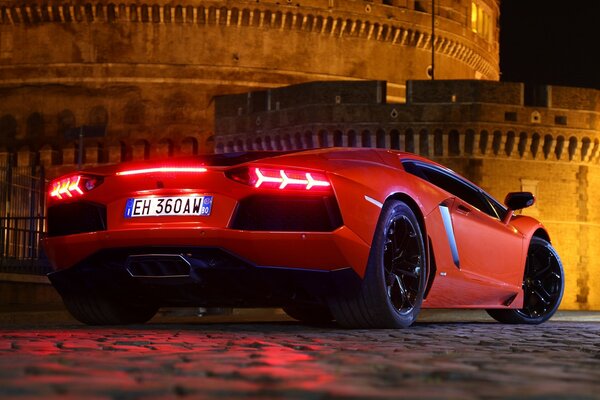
(550, 42)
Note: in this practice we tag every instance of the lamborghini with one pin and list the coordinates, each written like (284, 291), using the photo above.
(362, 237)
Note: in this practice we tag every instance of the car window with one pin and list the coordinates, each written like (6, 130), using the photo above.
(452, 184)
(499, 208)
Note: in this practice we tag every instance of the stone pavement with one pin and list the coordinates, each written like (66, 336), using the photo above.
(204, 358)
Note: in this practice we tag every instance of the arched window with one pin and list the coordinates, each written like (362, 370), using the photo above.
(438, 143)
(35, 125)
(409, 141)
(308, 140)
(547, 148)
(424, 142)
(366, 139)
(483, 142)
(469, 141)
(380, 138)
(572, 147)
(585, 148)
(258, 144)
(509, 146)
(497, 142)
(8, 127)
(337, 139)
(395, 139)
(323, 139)
(454, 143)
(560, 144)
(352, 139)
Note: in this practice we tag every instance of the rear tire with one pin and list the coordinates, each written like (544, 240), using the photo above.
(92, 309)
(543, 287)
(392, 290)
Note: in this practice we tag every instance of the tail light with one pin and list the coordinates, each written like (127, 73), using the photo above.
(72, 186)
(281, 179)
(161, 170)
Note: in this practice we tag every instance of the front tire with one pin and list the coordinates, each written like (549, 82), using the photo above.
(543, 287)
(93, 309)
(392, 290)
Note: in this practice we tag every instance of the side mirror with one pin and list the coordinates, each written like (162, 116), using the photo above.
(519, 200)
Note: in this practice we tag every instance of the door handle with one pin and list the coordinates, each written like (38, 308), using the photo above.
(462, 209)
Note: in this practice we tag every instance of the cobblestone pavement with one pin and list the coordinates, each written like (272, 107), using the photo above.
(284, 359)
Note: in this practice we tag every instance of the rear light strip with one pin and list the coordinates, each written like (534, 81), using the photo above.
(284, 180)
(162, 170)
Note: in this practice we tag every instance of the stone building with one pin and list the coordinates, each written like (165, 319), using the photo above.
(502, 136)
(147, 71)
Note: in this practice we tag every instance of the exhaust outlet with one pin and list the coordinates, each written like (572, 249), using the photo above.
(158, 266)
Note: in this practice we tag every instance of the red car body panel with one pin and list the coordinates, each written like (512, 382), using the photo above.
(492, 253)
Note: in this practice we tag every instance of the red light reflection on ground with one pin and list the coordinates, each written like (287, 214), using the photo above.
(267, 361)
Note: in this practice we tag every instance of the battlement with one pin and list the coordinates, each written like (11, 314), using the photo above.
(440, 119)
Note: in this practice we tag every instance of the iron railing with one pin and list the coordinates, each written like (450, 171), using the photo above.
(22, 219)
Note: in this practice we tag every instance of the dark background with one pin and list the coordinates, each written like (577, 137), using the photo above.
(550, 42)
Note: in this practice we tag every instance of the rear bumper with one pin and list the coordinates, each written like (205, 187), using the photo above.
(325, 251)
(197, 276)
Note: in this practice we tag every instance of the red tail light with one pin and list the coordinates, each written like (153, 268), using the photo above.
(281, 179)
(72, 186)
(161, 170)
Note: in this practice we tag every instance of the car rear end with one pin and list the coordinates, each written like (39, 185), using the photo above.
(245, 229)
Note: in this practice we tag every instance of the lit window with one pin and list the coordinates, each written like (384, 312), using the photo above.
(474, 17)
(481, 20)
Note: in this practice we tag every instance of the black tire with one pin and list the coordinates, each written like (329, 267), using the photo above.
(309, 314)
(392, 290)
(94, 309)
(543, 286)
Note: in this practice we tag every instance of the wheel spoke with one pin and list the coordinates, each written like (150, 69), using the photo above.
(396, 291)
(409, 268)
(543, 295)
(541, 273)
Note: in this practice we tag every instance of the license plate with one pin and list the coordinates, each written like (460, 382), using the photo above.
(165, 206)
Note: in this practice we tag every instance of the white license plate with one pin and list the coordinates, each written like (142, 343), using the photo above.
(164, 206)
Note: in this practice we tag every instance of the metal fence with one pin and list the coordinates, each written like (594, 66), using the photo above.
(22, 221)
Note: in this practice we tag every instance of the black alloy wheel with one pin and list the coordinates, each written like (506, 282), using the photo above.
(392, 290)
(543, 286)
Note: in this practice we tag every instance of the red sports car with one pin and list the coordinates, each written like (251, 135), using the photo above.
(364, 237)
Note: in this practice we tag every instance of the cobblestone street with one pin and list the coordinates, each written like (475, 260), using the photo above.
(284, 359)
